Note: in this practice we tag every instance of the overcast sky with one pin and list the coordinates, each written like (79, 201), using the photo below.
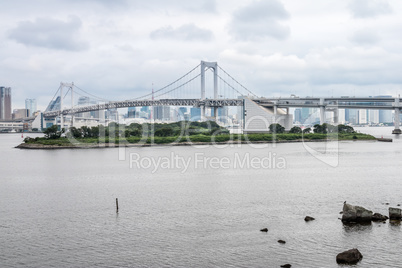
(117, 49)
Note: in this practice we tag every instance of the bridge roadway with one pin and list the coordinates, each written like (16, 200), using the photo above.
(139, 103)
(331, 103)
(334, 104)
(323, 103)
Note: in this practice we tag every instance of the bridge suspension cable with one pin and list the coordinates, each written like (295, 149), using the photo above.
(50, 102)
(94, 96)
(173, 89)
(236, 82)
(150, 94)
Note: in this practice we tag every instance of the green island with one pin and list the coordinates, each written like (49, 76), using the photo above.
(181, 133)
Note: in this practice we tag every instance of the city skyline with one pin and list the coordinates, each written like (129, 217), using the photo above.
(354, 50)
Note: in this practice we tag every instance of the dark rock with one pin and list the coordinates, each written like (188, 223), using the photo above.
(378, 217)
(341, 212)
(281, 241)
(356, 214)
(264, 230)
(398, 205)
(387, 204)
(308, 218)
(351, 256)
(395, 213)
(286, 265)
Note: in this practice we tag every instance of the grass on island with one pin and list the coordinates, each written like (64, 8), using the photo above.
(185, 131)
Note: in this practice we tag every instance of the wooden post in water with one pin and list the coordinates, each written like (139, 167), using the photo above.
(117, 205)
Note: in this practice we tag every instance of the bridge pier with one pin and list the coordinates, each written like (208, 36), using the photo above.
(397, 130)
(336, 116)
(215, 113)
(202, 113)
(322, 111)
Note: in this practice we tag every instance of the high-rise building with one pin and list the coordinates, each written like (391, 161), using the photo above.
(5, 103)
(131, 112)
(30, 104)
(298, 115)
(351, 116)
(385, 116)
(306, 115)
(145, 112)
(223, 113)
(374, 116)
(181, 113)
(195, 114)
(162, 113)
(362, 116)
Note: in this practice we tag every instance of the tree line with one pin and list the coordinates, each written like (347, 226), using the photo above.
(185, 128)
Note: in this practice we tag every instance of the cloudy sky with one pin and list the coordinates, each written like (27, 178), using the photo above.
(117, 49)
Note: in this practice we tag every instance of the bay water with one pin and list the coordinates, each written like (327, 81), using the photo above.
(183, 206)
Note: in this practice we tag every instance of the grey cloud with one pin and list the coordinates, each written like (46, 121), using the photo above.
(49, 33)
(201, 6)
(369, 8)
(259, 20)
(187, 32)
(365, 37)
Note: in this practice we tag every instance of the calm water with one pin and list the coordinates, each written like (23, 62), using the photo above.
(57, 207)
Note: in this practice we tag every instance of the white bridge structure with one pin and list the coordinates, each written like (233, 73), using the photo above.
(208, 86)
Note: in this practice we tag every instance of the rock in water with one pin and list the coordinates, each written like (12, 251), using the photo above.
(264, 230)
(356, 214)
(308, 218)
(282, 241)
(351, 256)
(379, 217)
(286, 265)
(395, 213)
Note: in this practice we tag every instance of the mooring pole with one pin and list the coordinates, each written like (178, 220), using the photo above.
(117, 205)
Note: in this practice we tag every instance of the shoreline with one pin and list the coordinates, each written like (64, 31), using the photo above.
(35, 146)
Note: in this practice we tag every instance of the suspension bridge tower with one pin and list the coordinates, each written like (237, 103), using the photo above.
(205, 66)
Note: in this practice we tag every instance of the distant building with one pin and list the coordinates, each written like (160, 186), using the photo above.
(30, 104)
(341, 116)
(223, 114)
(385, 116)
(145, 112)
(374, 117)
(112, 115)
(195, 114)
(20, 113)
(298, 115)
(131, 112)
(352, 116)
(5, 103)
(86, 101)
(181, 114)
(162, 113)
(362, 116)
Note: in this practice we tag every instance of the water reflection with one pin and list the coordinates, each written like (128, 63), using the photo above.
(395, 223)
(357, 227)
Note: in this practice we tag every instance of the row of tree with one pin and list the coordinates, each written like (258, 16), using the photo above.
(176, 129)
(138, 130)
(323, 129)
